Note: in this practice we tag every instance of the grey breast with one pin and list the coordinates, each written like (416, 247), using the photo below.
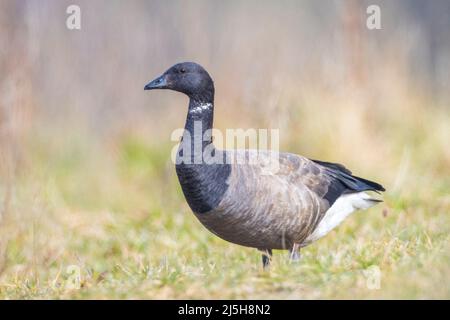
(270, 207)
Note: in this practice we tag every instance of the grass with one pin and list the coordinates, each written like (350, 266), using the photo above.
(105, 218)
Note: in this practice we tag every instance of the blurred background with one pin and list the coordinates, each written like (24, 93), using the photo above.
(85, 171)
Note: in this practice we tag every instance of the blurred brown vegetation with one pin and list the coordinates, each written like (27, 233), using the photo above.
(268, 59)
(71, 101)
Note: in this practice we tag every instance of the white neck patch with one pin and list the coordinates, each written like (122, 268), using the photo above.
(201, 108)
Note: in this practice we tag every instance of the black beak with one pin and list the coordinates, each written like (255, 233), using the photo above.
(158, 83)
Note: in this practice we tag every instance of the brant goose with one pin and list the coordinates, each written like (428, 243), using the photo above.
(288, 208)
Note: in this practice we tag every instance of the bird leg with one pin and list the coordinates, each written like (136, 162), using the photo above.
(266, 258)
(294, 253)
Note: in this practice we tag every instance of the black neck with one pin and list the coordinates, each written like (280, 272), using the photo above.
(203, 184)
(199, 123)
(201, 109)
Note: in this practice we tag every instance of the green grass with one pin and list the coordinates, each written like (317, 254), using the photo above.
(113, 213)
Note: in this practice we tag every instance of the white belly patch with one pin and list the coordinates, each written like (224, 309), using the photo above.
(341, 209)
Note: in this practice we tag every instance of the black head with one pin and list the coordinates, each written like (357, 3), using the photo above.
(189, 78)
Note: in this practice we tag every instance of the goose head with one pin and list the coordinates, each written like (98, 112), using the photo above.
(189, 78)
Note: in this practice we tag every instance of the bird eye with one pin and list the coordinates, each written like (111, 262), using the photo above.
(183, 70)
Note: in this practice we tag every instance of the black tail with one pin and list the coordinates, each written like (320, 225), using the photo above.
(370, 184)
(349, 182)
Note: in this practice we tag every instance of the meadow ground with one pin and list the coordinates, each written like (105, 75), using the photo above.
(88, 217)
